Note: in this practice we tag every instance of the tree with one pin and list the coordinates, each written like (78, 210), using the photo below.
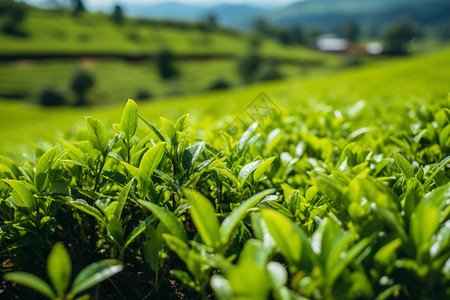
(82, 81)
(51, 96)
(397, 36)
(261, 26)
(298, 36)
(77, 6)
(15, 13)
(211, 22)
(349, 31)
(117, 15)
(165, 63)
(311, 36)
(270, 70)
(249, 65)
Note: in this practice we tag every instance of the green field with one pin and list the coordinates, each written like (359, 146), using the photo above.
(340, 192)
(332, 183)
(381, 85)
(90, 34)
(116, 79)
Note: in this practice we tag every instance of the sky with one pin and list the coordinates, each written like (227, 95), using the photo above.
(98, 3)
(203, 2)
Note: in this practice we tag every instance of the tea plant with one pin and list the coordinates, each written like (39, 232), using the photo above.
(313, 206)
(59, 269)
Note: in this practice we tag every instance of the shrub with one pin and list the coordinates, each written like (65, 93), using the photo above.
(270, 70)
(143, 94)
(117, 15)
(77, 6)
(219, 84)
(165, 64)
(51, 96)
(249, 65)
(15, 15)
(82, 81)
(397, 37)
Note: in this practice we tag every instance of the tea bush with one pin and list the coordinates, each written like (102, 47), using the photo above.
(305, 206)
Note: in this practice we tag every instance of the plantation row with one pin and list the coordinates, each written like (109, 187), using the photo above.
(302, 206)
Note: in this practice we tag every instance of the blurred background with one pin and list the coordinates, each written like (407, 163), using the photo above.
(96, 52)
(61, 60)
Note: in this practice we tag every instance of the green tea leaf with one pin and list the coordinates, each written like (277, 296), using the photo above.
(138, 230)
(111, 144)
(77, 163)
(441, 242)
(122, 198)
(129, 120)
(89, 209)
(261, 232)
(170, 130)
(149, 162)
(191, 154)
(346, 258)
(169, 220)
(249, 281)
(43, 168)
(221, 287)
(204, 218)
(244, 140)
(248, 169)
(184, 277)
(177, 245)
(254, 253)
(291, 240)
(427, 213)
(59, 268)
(447, 114)
(404, 166)
(228, 174)
(24, 198)
(262, 168)
(115, 230)
(414, 192)
(94, 274)
(233, 219)
(182, 122)
(386, 253)
(31, 281)
(435, 170)
(131, 169)
(277, 274)
(281, 209)
(153, 128)
(97, 134)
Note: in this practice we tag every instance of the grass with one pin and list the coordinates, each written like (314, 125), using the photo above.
(391, 84)
(117, 79)
(61, 33)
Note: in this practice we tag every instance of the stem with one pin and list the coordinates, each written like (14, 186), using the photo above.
(99, 171)
(127, 145)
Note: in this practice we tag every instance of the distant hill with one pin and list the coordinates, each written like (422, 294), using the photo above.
(372, 15)
(168, 10)
(50, 34)
(236, 15)
(227, 15)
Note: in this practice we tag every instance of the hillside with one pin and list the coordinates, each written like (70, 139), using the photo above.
(60, 33)
(287, 174)
(329, 14)
(381, 84)
(227, 15)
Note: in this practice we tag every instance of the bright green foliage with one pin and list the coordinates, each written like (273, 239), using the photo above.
(317, 204)
(59, 268)
(97, 134)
